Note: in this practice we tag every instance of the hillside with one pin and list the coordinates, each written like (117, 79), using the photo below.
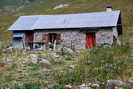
(12, 9)
(101, 68)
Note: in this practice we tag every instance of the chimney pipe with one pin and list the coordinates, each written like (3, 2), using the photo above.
(109, 8)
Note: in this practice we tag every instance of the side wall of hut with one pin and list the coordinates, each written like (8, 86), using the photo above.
(69, 38)
(104, 36)
(75, 39)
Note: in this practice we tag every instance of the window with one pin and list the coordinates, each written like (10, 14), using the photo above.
(51, 38)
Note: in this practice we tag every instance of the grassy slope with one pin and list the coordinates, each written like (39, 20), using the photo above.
(76, 6)
(100, 64)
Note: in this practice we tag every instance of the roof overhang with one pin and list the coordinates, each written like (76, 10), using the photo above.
(66, 21)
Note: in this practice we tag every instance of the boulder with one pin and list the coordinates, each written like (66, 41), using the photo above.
(71, 66)
(115, 83)
(44, 63)
(118, 88)
(33, 58)
(55, 55)
(68, 87)
(95, 85)
(65, 49)
(60, 6)
(84, 86)
(54, 58)
(130, 82)
(8, 60)
(50, 86)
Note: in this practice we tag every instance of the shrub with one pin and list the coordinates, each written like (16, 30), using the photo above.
(29, 86)
(100, 64)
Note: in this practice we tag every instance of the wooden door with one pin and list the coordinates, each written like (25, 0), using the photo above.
(29, 39)
(90, 40)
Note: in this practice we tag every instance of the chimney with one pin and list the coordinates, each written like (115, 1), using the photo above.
(109, 8)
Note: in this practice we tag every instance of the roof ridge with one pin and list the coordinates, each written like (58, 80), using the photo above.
(71, 13)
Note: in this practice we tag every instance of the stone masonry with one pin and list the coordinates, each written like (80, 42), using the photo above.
(104, 37)
(76, 39)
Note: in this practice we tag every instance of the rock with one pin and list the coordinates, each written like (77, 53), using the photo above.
(8, 60)
(130, 82)
(60, 6)
(67, 50)
(8, 50)
(28, 1)
(44, 63)
(95, 85)
(68, 86)
(84, 86)
(118, 88)
(34, 58)
(55, 55)
(115, 83)
(71, 66)
(50, 86)
(54, 58)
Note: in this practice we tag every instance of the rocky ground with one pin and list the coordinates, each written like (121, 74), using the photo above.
(68, 69)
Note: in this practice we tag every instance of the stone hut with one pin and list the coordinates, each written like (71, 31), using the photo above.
(81, 30)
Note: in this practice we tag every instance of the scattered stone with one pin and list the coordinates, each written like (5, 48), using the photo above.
(50, 86)
(71, 66)
(130, 82)
(95, 85)
(54, 58)
(34, 58)
(28, 1)
(84, 86)
(8, 60)
(118, 88)
(68, 86)
(44, 63)
(55, 55)
(67, 50)
(115, 83)
(8, 50)
(60, 6)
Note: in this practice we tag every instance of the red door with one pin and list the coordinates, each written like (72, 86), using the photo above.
(90, 40)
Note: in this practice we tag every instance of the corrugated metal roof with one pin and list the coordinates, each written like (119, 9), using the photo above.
(24, 23)
(97, 19)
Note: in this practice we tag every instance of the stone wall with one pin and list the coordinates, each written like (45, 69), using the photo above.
(76, 39)
(69, 38)
(104, 37)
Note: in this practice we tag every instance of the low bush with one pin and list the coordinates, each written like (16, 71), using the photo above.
(28, 86)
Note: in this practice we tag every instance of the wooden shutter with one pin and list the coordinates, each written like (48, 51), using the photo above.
(45, 38)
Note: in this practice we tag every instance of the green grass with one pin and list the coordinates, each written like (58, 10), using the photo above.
(100, 59)
(100, 64)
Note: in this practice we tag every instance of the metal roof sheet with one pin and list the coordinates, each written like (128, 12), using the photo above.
(97, 19)
(24, 23)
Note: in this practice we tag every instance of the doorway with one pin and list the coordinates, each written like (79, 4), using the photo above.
(29, 39)
(52, 37)
(90, 40)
